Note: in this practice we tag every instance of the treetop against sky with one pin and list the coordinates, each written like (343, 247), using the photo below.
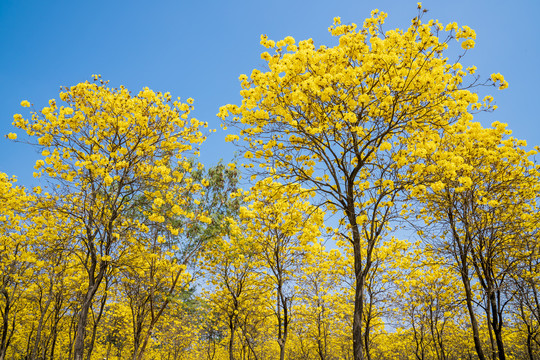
(199, 49)
(388, 124)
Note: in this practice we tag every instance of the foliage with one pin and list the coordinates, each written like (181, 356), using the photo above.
(131, 248)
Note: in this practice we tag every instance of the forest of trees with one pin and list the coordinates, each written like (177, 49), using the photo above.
(370, 217)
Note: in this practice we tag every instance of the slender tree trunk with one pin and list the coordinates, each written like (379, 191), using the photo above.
(156, 315)
(248, 342)
(490, 330)
(137, 331)
(72, 330)
(28, 342)
(320, 348)
(283, 322)
(53, 345)
(282, 336)
(440, 340)
(500, 344)
(96, 322)
(433, 325)
(360, 270)
(529, 346)
(281, 349)
(78, 347)
(232, 328)
(418, 340)
(5, 325)
(496, 322)
(40, 324)
(472, 316)
(366, 333)
(462, 259)
(358, 349)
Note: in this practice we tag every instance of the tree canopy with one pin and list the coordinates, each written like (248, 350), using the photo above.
(377, 219)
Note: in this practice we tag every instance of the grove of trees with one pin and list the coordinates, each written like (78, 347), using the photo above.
(370, 216)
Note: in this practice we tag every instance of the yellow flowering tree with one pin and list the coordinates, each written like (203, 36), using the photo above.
(17, 259)
(107, 149)
(480, 187)
(235, 290)
(155, 271)
(526, 300)
(281, 225)
(322, 307)
(426, 301)
(334, 118)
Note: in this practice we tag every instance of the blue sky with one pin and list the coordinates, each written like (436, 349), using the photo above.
(199, 48)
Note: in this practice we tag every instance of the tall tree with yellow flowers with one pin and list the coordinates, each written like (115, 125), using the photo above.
(235, 291)
(155, 272)
(334, 118)
(281, 224)
(16, 257)
(254, 270)
(480, 188)
(105, 149)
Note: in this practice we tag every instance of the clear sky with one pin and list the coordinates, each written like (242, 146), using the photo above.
(199, 48)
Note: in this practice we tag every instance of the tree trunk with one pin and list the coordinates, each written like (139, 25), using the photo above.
(5, 325)
(96, 322)
(137, 331)
(40, 324)
(358, 349)
(283, 322)
(497, 324)
(529, 346)
(55, 336)
(500, 344)
(232, 328)
(78, 347)
(321, 349)
(432, 326)
(368, 318)
(472, 316)
(490, 329)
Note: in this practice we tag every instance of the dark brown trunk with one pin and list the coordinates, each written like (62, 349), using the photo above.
(78, 347)
(96, 322)
(321, 349)
(472, 316)
(41, 324)
(433, 325)
(281, 350)
(137, 332)
(366, 334)
(53, 345)
(497, 324)
(463, 263)
(72, 331)
(500, 344)
(529, 346)
(283, 321)
(5, 326)
(232, 329)
(490, 330)
(358, 349)
(155, 316)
